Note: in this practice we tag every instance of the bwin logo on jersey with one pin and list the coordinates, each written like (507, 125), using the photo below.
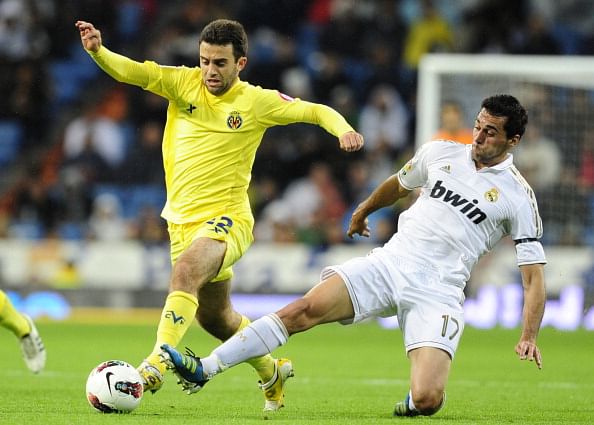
(468, 208)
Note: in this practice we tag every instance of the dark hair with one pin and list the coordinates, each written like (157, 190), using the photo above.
(224, 31)
(505, 105)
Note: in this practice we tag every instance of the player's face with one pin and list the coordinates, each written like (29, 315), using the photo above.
(490, 143)
(219, 68)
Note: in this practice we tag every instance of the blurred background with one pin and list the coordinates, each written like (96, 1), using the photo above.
(81, 179)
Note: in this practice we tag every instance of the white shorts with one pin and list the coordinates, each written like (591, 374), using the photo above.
(430, 313)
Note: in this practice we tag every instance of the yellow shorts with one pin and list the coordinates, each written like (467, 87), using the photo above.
(234, 229)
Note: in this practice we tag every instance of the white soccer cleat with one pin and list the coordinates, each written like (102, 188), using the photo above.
(33, 349)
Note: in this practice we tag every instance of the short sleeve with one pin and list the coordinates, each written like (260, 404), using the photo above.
(526, 230)
(530, 252)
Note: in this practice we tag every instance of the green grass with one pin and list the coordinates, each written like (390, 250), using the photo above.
(344, 375)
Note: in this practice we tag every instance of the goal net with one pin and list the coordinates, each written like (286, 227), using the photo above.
(556, 155)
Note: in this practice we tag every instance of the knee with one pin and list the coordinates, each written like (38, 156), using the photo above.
(182, 278)
(429, 401)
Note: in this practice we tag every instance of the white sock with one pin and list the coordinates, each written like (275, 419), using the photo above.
(411, 405)
(260, 337)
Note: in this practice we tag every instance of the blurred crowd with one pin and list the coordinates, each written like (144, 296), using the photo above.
(81, 157)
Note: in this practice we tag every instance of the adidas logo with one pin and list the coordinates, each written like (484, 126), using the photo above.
(446, 168)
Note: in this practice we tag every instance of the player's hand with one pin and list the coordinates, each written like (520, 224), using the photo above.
(359, 224)
(351, 141)
(89, 36)
(528, 350)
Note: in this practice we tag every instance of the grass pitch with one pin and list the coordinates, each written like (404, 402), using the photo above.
(343, 375)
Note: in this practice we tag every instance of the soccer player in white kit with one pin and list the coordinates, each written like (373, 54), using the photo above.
(470, 197)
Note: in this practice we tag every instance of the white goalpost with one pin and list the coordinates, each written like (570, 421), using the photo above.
(470, 78)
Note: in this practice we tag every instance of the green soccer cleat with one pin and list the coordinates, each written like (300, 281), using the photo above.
(402, 408)
(32, 348)
(273, 389)
(187, 367)
(152, 378)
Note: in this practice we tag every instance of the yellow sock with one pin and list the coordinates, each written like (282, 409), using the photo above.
(12, 319)
(177, 316)
(264, 365)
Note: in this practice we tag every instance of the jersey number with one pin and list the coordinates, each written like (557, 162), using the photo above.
(446, 318)
(221, 225)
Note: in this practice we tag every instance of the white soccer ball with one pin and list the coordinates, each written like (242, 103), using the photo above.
(114, 387)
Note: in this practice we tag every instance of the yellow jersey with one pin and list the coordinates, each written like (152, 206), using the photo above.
(210, 142)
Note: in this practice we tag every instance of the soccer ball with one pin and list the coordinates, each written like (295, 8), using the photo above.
(114, 387)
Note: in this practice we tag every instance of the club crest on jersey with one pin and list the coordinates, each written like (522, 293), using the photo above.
(463, 205)
(234, 120)
(492, 195)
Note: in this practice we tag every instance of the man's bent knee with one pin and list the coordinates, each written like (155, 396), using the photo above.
(183, 278)
(428, 402)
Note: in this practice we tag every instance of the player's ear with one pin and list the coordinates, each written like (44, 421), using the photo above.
(241, 63)
(513, 142)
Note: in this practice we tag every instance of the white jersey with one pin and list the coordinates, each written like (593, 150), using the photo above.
(463, 212)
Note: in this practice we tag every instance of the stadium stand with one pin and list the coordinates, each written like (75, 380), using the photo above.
(314, 46)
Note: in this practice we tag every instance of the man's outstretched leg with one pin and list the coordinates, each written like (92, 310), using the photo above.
(254, 341)
(327, 302)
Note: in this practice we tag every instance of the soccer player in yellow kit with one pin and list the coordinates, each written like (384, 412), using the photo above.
(215, 123)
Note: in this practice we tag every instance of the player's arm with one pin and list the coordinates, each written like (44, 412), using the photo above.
(274, 108)
(384, 195)
(119, 67)
(534, 303)
(336, 124)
